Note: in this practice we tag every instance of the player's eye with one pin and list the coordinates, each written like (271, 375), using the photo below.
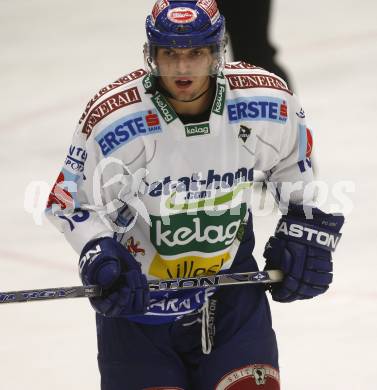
(197, 53)
(168, 53)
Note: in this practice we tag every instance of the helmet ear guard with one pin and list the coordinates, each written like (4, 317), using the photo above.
(185, 24)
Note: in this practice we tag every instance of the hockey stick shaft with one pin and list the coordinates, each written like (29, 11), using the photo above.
(217, 280)
(50, 293)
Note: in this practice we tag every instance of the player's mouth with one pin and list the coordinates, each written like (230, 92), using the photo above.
(183, 83)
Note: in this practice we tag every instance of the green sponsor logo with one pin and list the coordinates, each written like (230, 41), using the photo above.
(149, 82)
(199, 129)
(216, 201)
(164, 108)
(203, 232)
(219, 102)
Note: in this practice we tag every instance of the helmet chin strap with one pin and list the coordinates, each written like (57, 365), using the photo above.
(192, 100)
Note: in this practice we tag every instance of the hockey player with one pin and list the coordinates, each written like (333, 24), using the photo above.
(157, 184)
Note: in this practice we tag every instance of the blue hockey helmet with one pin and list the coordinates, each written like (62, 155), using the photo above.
(185, 24)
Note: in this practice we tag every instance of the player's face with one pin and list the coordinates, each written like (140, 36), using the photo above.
(185, 72)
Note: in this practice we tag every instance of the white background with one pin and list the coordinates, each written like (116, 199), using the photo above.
(55, 56)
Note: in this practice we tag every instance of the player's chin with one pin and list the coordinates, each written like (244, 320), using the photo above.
(184, 95)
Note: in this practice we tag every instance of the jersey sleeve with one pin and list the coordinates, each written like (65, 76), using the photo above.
(92, 192)
(284, 156)
(68, 206)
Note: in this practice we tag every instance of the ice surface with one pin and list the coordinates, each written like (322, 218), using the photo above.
(54, 56)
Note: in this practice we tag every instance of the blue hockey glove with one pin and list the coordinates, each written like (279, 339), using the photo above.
(302, 248)
(107, 263)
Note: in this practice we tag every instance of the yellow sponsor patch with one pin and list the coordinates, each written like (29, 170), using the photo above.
(187, 266)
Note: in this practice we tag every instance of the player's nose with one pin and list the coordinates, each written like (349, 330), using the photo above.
(182, 65)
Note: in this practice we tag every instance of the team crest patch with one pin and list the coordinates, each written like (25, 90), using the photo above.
(301, 113)
(244, 133)
(259, 375)
(251, 377)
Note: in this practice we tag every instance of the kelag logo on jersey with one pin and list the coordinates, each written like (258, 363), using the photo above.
(161, 104)
(257, 109)
(201, 232)
(127, 129)
(219, 102)
(199, 129)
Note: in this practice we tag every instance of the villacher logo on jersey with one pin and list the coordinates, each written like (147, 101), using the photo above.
(187, 265)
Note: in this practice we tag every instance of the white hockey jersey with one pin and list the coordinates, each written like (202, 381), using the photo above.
(178, 196)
